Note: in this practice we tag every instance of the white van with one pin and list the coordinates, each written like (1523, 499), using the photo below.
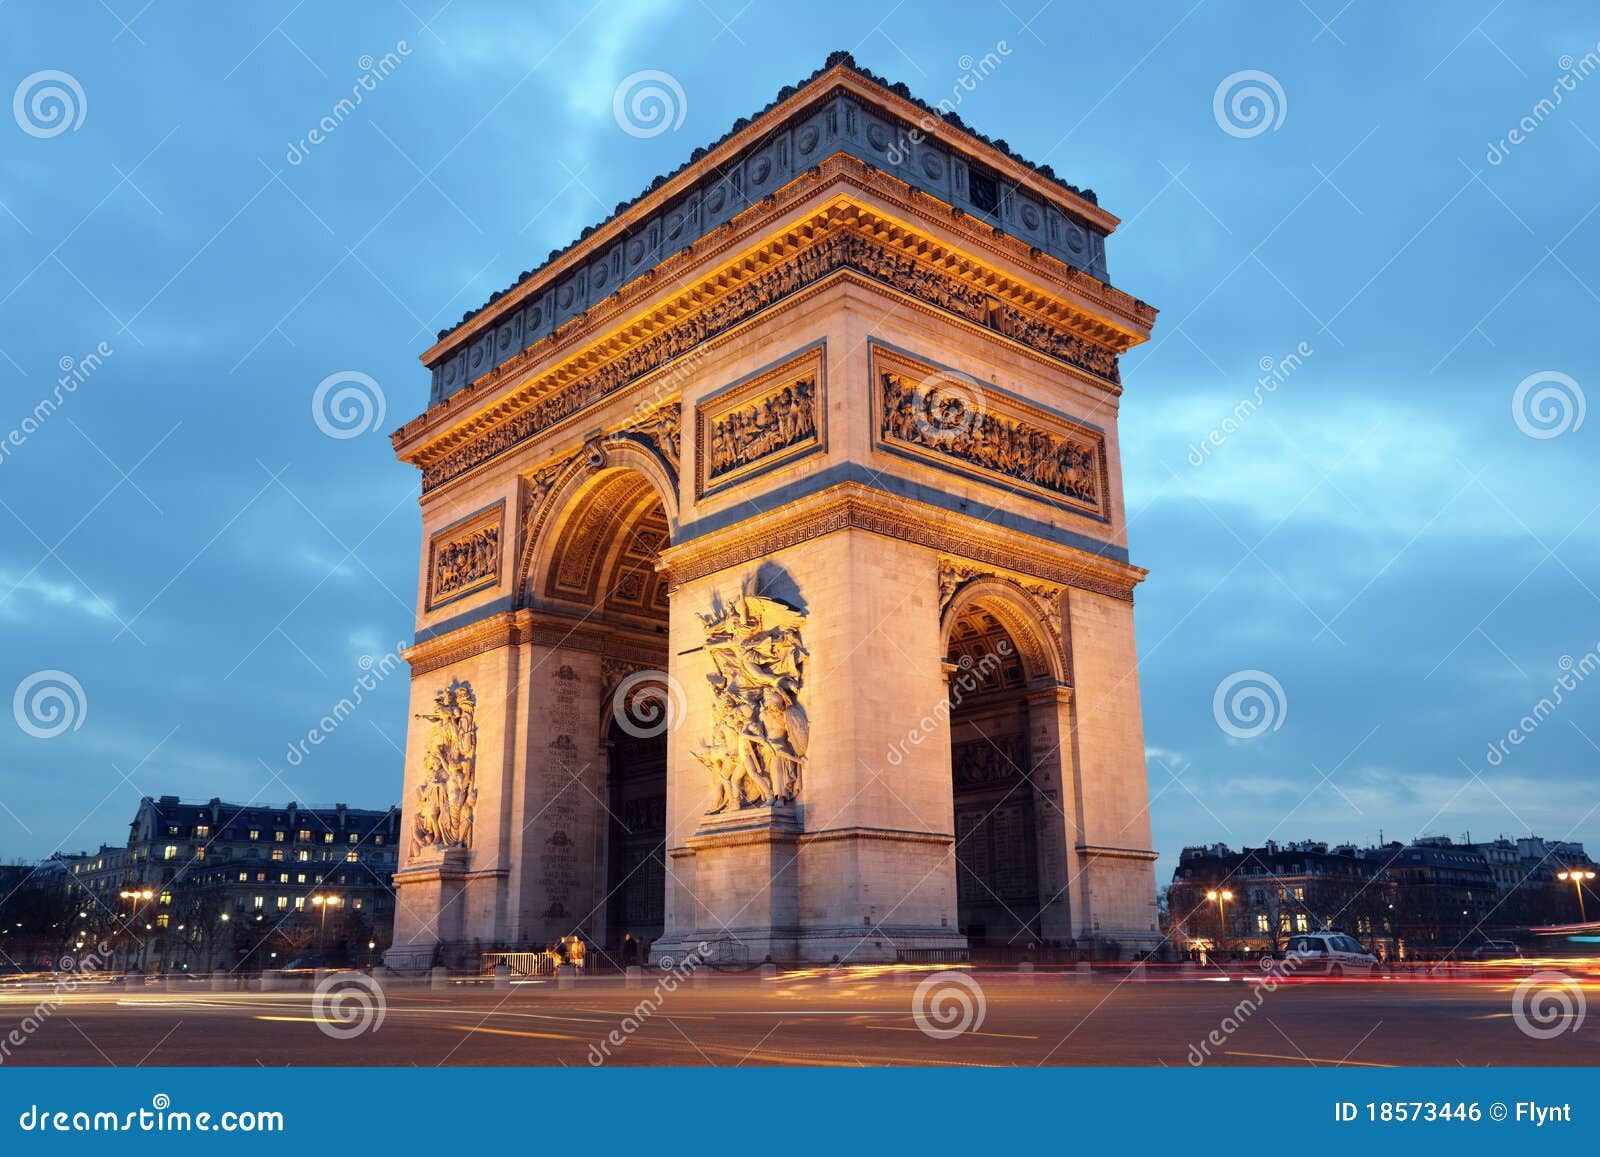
(1329, 954)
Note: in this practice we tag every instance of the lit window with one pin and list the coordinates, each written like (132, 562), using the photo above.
(166, 898)
(163, 920)
(299, 903)
(261, 877)
(283, 877)
(243, 877)
(169, 853)
(172, 829)
(302, 855)
(377, 839)
(1299, 893)
(354, 839)
(356, 903)
(327, 837)
(283, 903)
(200, 852)
(259, 903)
(304, 835)
(278, 837)
(255, 833)
(1301, 923)
(277, 854)
(1261, 923)
(301, 879)
(352, 857)
(201, 831)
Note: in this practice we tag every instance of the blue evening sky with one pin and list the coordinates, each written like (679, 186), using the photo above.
(1381, 536)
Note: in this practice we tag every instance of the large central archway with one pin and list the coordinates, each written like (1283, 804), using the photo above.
(1007, 815)
(597, 825)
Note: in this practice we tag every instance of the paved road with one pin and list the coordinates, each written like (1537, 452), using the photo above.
(810, 1021)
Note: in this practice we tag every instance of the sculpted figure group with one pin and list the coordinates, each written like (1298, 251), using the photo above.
(774, 423)
(757, 750)
(1007, 446)
(466, 560)
(447, 794)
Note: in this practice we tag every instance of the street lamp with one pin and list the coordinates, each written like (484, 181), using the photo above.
(133, 896)
(323, 903)
(1577, 877)
(1222, 925)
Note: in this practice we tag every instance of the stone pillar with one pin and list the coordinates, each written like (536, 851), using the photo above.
(1058, 814)
(1108, 739)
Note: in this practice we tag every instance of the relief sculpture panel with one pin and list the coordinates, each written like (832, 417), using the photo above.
(465, 556)
(959, 423)
(759, 422)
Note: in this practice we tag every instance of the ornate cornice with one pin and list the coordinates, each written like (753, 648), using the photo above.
(541, 627)
(852, 506)
(1097, 310)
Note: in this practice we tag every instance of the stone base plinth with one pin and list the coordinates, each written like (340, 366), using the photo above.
(429, 907)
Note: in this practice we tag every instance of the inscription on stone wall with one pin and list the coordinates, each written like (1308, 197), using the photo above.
(558, 874)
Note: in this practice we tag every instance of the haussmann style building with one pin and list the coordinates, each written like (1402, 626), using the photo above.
(774, 587)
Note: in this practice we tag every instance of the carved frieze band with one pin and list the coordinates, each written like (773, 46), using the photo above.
(956, 422)
(763, 421)
(836, 251)
(858, 512)
(465, 556)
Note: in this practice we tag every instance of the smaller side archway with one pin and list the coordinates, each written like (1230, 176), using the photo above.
(1005, 669)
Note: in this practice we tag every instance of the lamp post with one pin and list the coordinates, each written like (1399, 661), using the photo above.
(133, 896)
(1577, 877)
(323, 903)
(1222, 899)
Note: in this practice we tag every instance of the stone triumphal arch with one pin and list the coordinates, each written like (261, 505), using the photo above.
(774, 590)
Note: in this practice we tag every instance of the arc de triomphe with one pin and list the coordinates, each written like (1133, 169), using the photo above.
(774, 586)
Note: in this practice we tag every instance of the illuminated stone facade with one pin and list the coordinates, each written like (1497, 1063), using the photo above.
(776, 534)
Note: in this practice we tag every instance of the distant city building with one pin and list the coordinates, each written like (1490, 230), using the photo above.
(203, 886)
(1431, 898)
